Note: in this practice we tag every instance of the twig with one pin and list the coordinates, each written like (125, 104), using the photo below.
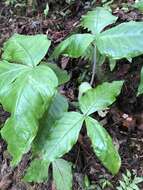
(94, 66)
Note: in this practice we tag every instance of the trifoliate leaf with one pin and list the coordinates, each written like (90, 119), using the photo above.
(27, 50)
(26, 93)
(103, 146)
(96, 20)
(122, 41)
(100, 98)
(74, 46)
(62, 174)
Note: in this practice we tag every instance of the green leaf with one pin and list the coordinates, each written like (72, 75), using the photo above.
(138, 180)
(37, 172)
(96, 20)
(62, 75)
(122, 41)
(138, 5)
(84, 86)
(27, 50)
(46, 10)
(140, 88)
(103, 146)
(74, 46)
(61, 136)
(57, 108)
(100, 98)
(26, 93)
(59, 105)
(89, 53)
(62, 173)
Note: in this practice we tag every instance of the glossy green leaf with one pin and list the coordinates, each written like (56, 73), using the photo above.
(100, 98)
(74, 46)
(96, 20)
(58, 107)
(26, 93)
(62, 75)
(27, 50)
(62, 174)
(37, 172)
(140, 88)
(122, 41)
(103, 146)
(61, 136)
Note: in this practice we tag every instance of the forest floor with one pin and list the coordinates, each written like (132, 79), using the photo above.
(124, 120)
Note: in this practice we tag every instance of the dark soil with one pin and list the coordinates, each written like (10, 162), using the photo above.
(124, 120)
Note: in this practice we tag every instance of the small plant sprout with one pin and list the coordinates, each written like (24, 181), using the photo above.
(129, 182)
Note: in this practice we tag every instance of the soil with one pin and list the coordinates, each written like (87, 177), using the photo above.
(124, 120)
